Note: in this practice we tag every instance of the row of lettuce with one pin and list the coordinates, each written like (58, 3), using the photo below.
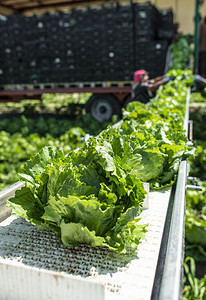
(95, 194)
(26, 127)
(195, 222)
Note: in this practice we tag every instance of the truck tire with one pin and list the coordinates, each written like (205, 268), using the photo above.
(103, 107)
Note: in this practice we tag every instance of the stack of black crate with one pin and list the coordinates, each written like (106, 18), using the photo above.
(125, 37)
(38, 49)
(89, 49)
(31, 45)
(99, 44)
(88, 45)
(99, 51)
(12, 50)
(51, 54)
(65, 64)
(96, 44)
(49, 59)
(150, 47)
(118, 58)
(166, 28)
(3, 45)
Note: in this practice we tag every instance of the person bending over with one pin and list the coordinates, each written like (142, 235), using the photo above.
(145, 88)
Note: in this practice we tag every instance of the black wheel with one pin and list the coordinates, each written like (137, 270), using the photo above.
(103, 107)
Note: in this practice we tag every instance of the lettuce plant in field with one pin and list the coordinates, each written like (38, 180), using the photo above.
(195, 223)
(194, 288)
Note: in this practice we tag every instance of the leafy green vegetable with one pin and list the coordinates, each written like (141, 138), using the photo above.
(195, 223)
(95, 194)
(196, 290)
(181, 52)
(160, 123)
(195, 249)
(95, 202)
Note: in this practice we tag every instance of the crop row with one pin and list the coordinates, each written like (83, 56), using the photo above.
(97, 191)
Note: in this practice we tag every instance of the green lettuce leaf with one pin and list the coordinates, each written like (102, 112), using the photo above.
(26, 205)
(75, 233)
(87, 212)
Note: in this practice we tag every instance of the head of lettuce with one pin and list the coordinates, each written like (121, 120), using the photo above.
(86, 197)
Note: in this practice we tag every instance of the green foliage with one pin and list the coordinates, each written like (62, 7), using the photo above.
(194, 288)
(181, 52)
(198, 97)
(198, 162)
(55, 126)
(84, 197)
(16, 148)
(198, 115)
(66, 104)
(26, 127)
(95, 194)
(196, 200)
(203, 94)
(195, 223)
(161, 122)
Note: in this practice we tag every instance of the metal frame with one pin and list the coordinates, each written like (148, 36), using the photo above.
(172, 279)
(120, 90)
(6, 194)
(196, 37)
(28, 6)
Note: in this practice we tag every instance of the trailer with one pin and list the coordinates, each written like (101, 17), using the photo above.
(107, 98)
(93, 50)
(34, 265)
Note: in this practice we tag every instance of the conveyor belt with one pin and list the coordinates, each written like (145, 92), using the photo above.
(21, 244)
(34, 265)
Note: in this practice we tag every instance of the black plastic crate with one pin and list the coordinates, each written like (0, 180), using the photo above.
(166, 17)
(83, 41)
(164, 33)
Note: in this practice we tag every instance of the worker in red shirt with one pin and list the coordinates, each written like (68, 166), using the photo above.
(144, 88)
